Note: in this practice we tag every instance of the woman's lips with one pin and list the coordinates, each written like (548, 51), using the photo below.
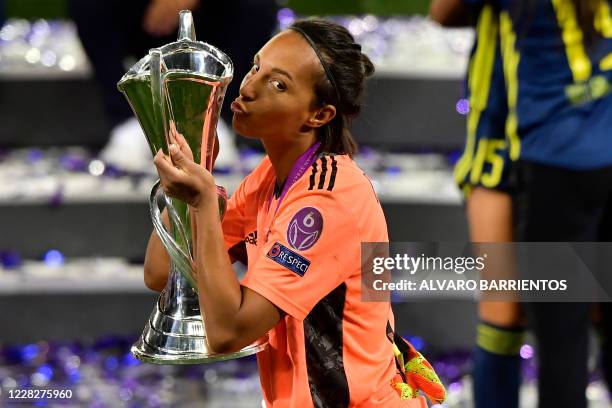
(237, 107)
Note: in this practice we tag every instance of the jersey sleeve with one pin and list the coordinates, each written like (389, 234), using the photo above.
(238, 214)
(312, 247)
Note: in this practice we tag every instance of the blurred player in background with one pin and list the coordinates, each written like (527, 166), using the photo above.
(557, 58)
(482, 174)
(114, 31)
(558, 64)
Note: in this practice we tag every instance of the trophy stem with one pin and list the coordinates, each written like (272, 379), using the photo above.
(186, 27)
(157, 67)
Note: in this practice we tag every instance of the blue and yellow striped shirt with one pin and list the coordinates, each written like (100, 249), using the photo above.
(485, 161)
(558, 88)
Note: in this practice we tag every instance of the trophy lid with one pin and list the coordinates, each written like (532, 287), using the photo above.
(187, 55)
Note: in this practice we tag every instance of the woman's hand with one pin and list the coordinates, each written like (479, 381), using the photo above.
(174, 137)
(182, 178)
(179, 139)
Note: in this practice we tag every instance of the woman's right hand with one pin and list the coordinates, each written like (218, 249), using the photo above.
(157, 261)
(177, 138)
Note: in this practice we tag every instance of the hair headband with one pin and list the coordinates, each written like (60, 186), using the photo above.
(328, 73)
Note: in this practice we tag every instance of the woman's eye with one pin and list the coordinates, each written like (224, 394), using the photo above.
(278, 85)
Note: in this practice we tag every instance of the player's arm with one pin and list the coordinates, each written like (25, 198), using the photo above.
(234, 316)
(157, 261)
(450, 13)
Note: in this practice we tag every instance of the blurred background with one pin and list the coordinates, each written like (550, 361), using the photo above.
(74, 226)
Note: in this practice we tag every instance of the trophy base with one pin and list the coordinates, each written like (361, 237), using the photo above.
(148, 354)
(180, 337)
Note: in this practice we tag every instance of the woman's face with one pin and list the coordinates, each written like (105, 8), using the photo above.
(277, 94)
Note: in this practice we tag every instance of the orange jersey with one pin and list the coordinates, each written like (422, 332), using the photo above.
(330, 349)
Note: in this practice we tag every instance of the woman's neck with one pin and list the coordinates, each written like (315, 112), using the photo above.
(283, 156)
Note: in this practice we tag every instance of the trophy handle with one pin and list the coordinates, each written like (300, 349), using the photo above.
(157, 201)
(157, 68)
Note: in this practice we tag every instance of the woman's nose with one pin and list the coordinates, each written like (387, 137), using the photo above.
(247, 88)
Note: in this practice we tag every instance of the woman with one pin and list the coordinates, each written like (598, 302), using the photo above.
(297, 221)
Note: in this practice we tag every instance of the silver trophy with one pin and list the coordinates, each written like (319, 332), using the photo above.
(181, 86)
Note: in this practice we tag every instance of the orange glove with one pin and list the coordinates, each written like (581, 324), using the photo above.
(415, 373)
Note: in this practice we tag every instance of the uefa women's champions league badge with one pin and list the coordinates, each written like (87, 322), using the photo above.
(303, 232)
(305, 228)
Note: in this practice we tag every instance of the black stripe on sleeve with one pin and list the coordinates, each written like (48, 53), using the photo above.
(312, 175)
(323, 173)
(332, 178)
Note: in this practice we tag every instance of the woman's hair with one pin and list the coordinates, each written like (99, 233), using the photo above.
(342, 81)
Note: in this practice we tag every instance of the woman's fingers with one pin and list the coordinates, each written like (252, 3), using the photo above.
(182, 178)
(161, 161)
(171, 137)
(184, 146)
(168, 173)
(181, 160)
(174, 169)
(177, 138)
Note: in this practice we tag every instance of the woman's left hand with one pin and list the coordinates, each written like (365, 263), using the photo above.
(184, 179)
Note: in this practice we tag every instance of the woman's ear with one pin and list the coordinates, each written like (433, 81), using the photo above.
(322, 116)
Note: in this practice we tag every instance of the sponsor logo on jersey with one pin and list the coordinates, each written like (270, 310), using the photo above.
(288, 259)
(305, 228)
(251, 238)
